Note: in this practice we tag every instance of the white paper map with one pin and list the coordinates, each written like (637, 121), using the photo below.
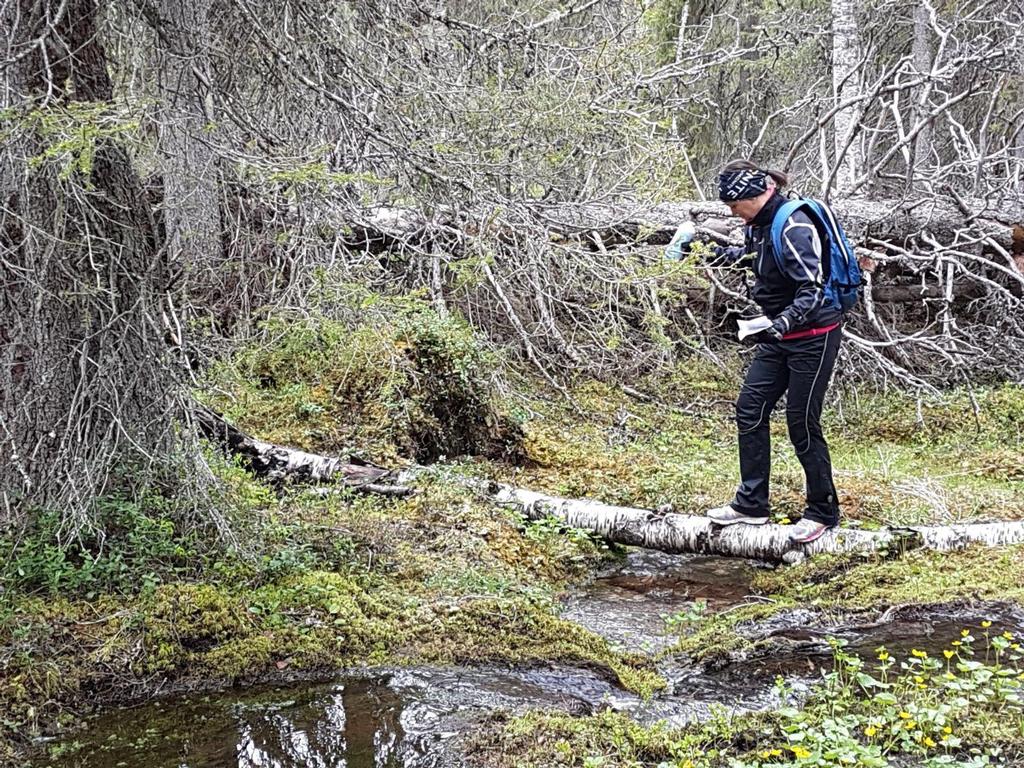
(752, 326)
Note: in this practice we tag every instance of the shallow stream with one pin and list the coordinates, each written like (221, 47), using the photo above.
(417, 717)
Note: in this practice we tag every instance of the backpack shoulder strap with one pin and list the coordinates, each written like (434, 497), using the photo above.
(828, 220)
(782, 215)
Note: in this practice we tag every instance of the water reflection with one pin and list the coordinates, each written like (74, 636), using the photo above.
(355, 724)
(629, 604)
(408, 718)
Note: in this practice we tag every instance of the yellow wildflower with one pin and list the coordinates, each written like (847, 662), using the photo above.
(947, 729)
(948, 654)
(964, 632)
(986, 624)
(904, 715)
(800, 753)
(1008, 635)
(929, 742)
(870, 731)
(883, 656)
(956, 642)
(918, 654)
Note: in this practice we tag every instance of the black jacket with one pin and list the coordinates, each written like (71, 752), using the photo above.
(795, 292)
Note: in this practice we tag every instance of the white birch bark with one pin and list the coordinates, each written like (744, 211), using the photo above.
(277, 462)
(668, 532)
(678, 533)
(846, 52)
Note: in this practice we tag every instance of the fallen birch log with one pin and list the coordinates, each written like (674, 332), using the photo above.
(668, 532)
(277, 462)
(677, 533)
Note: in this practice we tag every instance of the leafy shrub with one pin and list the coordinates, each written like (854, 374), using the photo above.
(133, 544)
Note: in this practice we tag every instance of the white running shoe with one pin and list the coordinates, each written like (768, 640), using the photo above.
(806, 531)
(726, 515)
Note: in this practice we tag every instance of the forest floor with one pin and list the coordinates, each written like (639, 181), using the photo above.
(320, 582)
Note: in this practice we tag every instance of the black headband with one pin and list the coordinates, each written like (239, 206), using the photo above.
(740, 185)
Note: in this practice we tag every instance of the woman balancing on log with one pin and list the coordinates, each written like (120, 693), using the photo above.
(805, 278)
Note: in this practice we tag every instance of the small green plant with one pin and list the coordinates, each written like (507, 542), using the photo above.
(960, 708)
(134, 544)
(694, 614)
(923, 706)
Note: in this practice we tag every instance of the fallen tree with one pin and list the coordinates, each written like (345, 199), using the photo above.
(278, 463)
(663, 530)
(380, 229)
(677, 533)
(944, 281)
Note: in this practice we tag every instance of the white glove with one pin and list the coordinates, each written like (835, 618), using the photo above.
(680, 243)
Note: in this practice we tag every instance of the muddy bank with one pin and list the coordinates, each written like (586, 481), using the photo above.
(802, 636)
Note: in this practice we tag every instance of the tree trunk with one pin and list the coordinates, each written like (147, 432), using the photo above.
(921, 50)
(90, 401)
(191, 212)
(383, 229)
(277, 463)
(677, 533)
(668, 532)
(846, 54)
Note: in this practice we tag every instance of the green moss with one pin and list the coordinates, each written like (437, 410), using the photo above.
(717, 636)
(522, 630)
(612, 740)
(544, 739)
(184, 619)
(382, 376)
(917, 578)
(239, 657)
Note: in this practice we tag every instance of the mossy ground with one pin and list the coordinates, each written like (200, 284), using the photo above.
(960, 708)
(324, 581)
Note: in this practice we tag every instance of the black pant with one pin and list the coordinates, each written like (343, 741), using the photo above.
(801, 368)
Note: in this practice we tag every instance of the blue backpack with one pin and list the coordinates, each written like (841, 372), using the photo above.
(843, 277)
